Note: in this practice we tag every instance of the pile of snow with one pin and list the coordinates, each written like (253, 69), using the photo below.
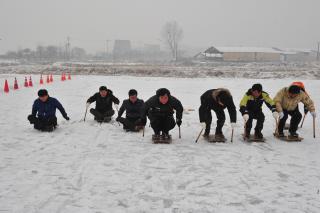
(87, 167)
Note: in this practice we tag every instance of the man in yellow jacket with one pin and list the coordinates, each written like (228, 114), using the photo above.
(287, 100)
(251, 108)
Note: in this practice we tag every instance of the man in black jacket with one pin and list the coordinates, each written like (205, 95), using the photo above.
(216, 100)
(43, 115)
(104, 99)
(133, 107)
(159, 109)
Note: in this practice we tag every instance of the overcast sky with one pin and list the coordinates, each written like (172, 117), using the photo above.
(89, 23)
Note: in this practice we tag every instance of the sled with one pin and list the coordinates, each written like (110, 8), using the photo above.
(215, 139)
(161, 139)
(288, 138)
(252, 139)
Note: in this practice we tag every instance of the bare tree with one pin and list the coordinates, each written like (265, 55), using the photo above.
(172, 34)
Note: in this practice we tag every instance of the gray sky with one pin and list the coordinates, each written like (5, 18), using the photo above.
(282, 23)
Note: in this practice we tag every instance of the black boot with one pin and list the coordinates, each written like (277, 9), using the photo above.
(258, 135)
(294, 134)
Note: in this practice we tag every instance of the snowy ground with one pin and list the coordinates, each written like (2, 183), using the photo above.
(85, 167)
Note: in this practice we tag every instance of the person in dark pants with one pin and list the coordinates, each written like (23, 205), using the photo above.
(104, 99)
(287, 100)
(133, 107)
(251, 108)
(160, 109)
(216, 100)
(43, 115)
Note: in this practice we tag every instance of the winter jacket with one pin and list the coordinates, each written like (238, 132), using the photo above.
(154, 109)
(133, 110)
(103, 104)
(209, 102)
(284, 102)
(252, 104)
(46, 110)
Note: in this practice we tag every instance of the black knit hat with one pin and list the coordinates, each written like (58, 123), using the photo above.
(132, 92)
(42, 92)
(257, 87)
(103, 88)
(162, 92)
(293, 89)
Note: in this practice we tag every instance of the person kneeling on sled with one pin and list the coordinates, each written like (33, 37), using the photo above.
(287, 100)
(43, 115)
(133, 107)
(104, 99)
(160, 109)
(216, 100)
(251, 108)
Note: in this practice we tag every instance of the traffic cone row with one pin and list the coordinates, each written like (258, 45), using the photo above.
(28, 83)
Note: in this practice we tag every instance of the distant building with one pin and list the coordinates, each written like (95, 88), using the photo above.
(240, 54)
(302, 55)
(122, 49)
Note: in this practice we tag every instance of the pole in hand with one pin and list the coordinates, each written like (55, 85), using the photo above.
(314, 127)
(232, 135)
(85, 115)
(179, 132)
(199, 135)
(304, 117)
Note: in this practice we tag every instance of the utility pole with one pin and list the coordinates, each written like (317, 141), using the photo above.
(68, 49)
(318, 54)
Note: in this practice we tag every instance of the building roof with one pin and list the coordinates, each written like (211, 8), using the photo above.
(247, 49)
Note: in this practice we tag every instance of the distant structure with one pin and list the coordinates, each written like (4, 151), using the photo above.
(256, 54)
(121, 49)
(240, 54)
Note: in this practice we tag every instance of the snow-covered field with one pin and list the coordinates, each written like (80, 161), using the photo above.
(87, 167)
(253, 70)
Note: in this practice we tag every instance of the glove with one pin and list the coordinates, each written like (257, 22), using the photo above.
(141, 122)
(281, 115)
(203, 124)
(275, 115)
(314, 114)
(306, 110)
(66, 117)
(245, 117)
(87, 105)
(118, 119)
(233, 126)
(179, 122)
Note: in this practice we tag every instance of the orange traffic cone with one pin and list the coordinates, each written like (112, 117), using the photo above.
(48, 79)
(6, 86)
(69, 76)
(41, 79)
(15, 84)
(30, 82)
(51, 78)
(26, 82)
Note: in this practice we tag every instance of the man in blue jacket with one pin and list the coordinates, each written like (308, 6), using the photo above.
(43, 115)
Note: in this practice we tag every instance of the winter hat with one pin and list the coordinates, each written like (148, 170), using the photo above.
(257, 87)
(162, 92)
(294, 89)
(133, 92)
(103, 88)
(224, 97)
(42, 92)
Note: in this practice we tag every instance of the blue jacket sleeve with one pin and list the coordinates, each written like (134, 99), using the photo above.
(60, 107)
(34, 108)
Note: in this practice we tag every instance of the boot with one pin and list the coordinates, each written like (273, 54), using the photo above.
(294, 134)
(258, 135)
